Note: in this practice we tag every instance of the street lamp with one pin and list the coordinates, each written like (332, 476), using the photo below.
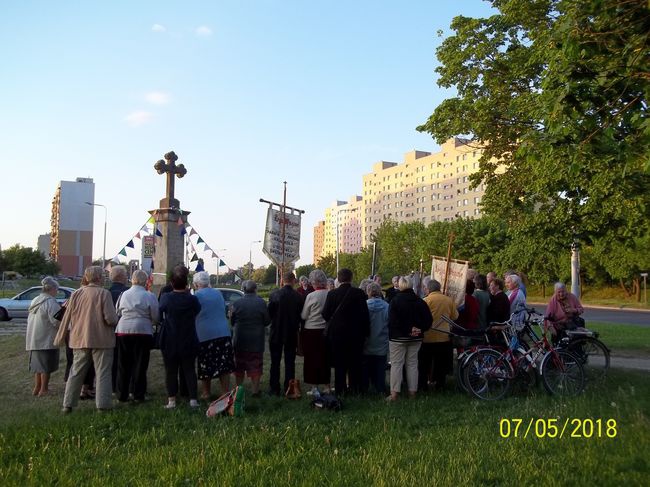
(105, 220)
(218, 261)
(250, 257)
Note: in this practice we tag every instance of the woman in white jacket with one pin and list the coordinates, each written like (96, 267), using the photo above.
(39, 340)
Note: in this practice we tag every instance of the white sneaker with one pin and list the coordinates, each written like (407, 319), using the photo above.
(194, 403)
(313, 392)
(170, 405)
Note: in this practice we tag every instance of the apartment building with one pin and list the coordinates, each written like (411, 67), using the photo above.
(319, 236)
(71, 236)
(425, 187)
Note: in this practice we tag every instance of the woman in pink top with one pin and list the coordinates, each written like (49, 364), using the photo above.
(562, 309)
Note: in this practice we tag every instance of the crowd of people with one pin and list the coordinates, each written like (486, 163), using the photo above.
(354, 331)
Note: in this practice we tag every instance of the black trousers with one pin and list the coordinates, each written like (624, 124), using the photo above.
(276, 350)
(133, 362)
(435, 361)
(184, 365)
(347, 359)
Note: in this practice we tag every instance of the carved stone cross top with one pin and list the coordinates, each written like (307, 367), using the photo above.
(172, 170)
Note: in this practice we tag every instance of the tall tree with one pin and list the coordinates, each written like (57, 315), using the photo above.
(555, 92)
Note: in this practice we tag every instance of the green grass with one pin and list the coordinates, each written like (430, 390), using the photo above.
(439, 439)
(627, 340)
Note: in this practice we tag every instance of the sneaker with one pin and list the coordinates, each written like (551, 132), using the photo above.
(194, 403)
(313, 392)
(170, 405)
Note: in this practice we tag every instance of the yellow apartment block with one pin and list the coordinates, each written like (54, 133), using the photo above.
(426, 187)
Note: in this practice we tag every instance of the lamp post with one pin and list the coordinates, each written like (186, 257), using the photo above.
(250, 257)
(105, 220)
(338, 215)
(218, 262)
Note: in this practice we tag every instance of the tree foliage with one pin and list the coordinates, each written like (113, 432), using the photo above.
(555, 92)
(26, 261)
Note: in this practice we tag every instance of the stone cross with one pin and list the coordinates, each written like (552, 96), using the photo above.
(172, 170)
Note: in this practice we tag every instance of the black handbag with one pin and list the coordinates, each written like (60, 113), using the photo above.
(59, 314)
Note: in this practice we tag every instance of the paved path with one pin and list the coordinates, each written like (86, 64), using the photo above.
(638, 317)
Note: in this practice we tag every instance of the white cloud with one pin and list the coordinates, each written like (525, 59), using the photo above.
(157, 97)
(138, 118)
(158, 28)
(203, 31)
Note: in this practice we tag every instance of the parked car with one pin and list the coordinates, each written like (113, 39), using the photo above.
(18, 306)
(230, 296)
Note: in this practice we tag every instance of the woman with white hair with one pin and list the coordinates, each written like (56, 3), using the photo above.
(138, 312)
(216, 355)
(317, 371)
(563, 309)
(516, 297)
(41, 331)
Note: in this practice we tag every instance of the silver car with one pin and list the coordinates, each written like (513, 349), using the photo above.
(18, 306)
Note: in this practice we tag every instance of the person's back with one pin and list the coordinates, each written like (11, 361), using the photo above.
(407, 311)
(211, 321)
(249, 317)
(346, 310)
(285, 306)
(377, 341)
(179, 334)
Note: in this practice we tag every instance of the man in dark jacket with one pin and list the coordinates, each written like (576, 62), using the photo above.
(347, 313)
(285, 306)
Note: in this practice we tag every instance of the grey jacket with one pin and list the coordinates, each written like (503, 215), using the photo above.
(249, 317)
(41, 324)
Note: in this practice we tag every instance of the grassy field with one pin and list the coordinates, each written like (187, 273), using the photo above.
(437, 439)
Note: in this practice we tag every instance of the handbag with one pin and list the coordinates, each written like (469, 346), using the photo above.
(59, 314)
(157, 336)
(293, 390)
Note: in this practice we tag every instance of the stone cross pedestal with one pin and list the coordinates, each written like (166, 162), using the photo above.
(169, 249)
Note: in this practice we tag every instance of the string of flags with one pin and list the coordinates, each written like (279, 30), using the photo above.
(156, 231)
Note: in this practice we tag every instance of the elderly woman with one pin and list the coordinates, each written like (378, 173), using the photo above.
(138, 312)
(304, 286)
(249, 318)
(41, 331)
(375, 349)
(563, 309)
(179, 343)
(118, 278)
(408, 318)
(516, 297)
(316, 367)
(90, 319)
(216, 356)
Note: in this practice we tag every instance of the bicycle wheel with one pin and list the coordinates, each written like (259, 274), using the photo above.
(593, 355)
(461, 366)
(562, 373)
(488, 375)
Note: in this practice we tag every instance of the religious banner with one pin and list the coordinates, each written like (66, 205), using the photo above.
(452, 277)
(273, 237)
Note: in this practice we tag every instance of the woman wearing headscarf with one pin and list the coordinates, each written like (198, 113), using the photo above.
(41, 331)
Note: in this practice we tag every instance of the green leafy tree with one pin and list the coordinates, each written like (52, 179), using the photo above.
(304, 270)
(555, 92)
(27, 261)
(270, 274)
(327, 264)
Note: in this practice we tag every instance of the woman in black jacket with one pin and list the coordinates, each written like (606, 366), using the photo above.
(408, 318)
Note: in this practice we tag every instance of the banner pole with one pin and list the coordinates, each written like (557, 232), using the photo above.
(451, 239)
(284, 229)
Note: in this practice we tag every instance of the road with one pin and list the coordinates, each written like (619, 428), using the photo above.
(611, 315)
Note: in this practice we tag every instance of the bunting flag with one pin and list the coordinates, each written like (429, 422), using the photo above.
(199, 267)
(194, 258)
(137, 235)
(151, 220)
(115, 260)
(214, 256)
(237, 278)
(207, 248)
(200, 240)
(144, 228)
(158, 232)
(180, 221)
(122, 252)
(221, 263)
(183, 231)
(130, 244)
(192, 232)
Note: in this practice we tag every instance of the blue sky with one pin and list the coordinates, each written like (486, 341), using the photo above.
(247, 93)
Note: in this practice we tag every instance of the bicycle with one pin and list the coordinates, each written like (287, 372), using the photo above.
(490, 377)
(593, 354)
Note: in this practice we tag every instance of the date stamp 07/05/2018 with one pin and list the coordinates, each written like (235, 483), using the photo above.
(558, 428)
